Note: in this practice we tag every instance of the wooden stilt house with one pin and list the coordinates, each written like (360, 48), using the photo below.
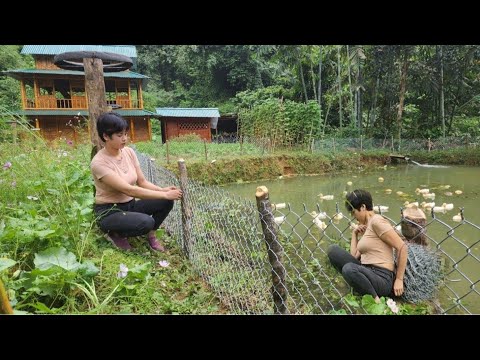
(182, 121)
(55, 102)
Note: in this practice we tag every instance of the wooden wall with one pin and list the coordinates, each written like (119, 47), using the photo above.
(60, 128)
(45, 62)
(182, 126)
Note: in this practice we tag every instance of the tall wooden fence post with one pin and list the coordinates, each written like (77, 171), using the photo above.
(97, 103)
(94, 63)
(185, 208)
(205, 145)
(168, 152)
(274, 248)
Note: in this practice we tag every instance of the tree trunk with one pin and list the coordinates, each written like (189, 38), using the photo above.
(403, 88)
(359, 95)
(320, 85)
(353, 103)
(374, 103)
(442, 95)
(299, 60)
(313, 79)
(97, 103)
(340, 114)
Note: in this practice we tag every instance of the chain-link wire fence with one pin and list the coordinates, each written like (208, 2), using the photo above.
(270, 258)
(231, 145)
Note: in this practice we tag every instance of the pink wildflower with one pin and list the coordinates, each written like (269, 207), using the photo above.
(7, 165)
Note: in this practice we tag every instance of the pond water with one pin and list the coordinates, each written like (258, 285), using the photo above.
(460, 242)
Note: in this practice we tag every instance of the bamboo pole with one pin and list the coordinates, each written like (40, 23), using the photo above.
(185, 208)
(274, 249)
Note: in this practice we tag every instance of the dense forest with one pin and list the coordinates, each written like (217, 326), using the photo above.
(408, 91)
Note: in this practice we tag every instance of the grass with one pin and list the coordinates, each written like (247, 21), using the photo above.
(47, 204)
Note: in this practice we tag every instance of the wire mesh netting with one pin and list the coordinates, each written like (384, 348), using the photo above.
(228, 145)
(262, 258)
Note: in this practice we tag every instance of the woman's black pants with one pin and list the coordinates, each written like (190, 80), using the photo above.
(134, 218)
(364, 279)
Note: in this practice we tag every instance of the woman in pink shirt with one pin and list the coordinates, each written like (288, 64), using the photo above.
(119, 183)
(369, 268)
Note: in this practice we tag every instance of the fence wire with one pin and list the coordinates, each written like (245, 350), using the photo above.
(228, 145)
(227, 247)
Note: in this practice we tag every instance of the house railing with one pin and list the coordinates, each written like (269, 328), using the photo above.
(77, 102)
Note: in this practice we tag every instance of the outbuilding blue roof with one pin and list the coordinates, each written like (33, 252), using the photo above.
(127, 50)
(189, 112)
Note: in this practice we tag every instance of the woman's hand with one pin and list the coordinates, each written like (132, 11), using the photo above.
(360, 229)
(398, 287)
(175, 194)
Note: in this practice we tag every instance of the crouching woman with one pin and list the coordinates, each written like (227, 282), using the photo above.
(119, 182)
(369, 268)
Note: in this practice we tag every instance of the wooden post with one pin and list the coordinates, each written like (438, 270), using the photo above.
(97, 103)
(185, 208)
(5, 307)
(361, 142)
(333, 142)
(168, 152)
(241, 145)
(274, 249)
(393, 147)
(205, 145)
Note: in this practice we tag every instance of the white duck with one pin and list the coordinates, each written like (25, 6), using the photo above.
(447, 207)
(426, 205)
(322, 215)
(338, 217)
(457, 218)
(380, 208)
(439, 209)
(320, 224)
(279, 206)
(325, 197)
(429, 196)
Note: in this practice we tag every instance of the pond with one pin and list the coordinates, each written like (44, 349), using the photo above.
(459, 241)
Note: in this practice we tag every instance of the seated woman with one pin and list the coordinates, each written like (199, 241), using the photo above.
(119, 181)
(369, 268)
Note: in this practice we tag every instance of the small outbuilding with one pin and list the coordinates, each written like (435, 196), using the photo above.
(182, 121)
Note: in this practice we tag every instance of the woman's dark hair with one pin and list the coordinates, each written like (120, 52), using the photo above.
(110, 123)
(357, 198)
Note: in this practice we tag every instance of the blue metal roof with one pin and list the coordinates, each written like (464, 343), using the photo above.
(188, 112)
(127, 50)
(120, 74)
